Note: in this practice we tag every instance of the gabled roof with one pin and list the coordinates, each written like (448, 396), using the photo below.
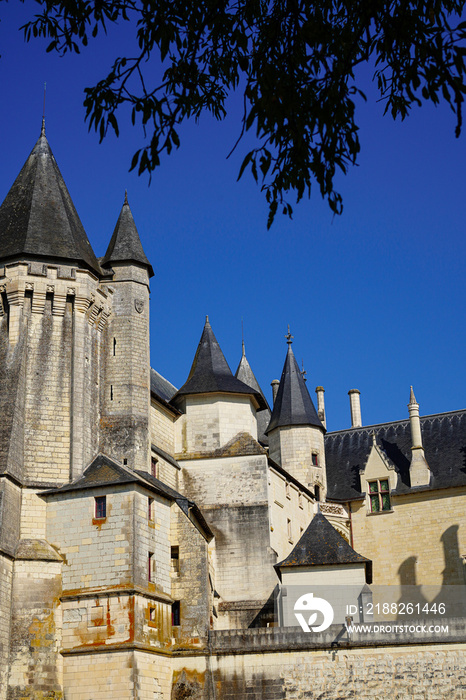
(38, 218)
(293, 405)
(444, 439)
(210, 372)
(125, 244)
(104, 471)
(322, 545)
(246, 375)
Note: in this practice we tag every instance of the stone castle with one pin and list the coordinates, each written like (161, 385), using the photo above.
(146, 531)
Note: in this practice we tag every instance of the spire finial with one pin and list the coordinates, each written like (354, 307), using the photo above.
(207, 319)
(42, 131)
(242, 338)
(126, 198)
(289, 337)
(412, 398)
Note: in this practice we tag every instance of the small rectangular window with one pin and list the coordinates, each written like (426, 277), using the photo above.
(150, 567)
(150, 509)
(317, 492)
(152, 614)
(379, 495)
(289, 529)
(154, 467)
(175, 560)
(315, 459)
(100, 507)
(176, 613)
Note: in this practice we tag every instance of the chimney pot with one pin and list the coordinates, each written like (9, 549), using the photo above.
(355, 406)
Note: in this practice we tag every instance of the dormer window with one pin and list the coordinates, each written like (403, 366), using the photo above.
(379, 495)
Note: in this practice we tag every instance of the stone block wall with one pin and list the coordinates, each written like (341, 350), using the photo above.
(244, 574)
(6, 581)
(190, 583)
(211, 420)
(152, 536)
(10, 510)
(293, 447)
(426, 542)
(162, 428)
(291, 511)
(226, 480)
(35, 640)
(417, 672)
(125, 424)
(96, 552)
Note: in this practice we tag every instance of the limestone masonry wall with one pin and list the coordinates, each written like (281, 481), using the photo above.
(431, 672)
(431, 554)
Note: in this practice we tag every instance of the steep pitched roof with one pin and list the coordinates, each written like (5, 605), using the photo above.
(104, 471)
(444, 439)
(210, 372)
(322, 545)
(293, 405)
(125, 244)
(38, 218)
(246, 375)
(161, 386)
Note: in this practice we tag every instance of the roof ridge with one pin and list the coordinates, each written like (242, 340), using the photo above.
(393, 422)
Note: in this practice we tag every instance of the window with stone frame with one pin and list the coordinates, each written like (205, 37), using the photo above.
(100, 507)
(315, 459)
(150, 509)
(379, 495)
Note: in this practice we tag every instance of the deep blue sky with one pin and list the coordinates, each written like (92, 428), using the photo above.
(374, 298)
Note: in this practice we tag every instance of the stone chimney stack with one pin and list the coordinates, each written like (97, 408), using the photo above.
(275, 384)
(355, 405)
(321, 405)
(419, 471)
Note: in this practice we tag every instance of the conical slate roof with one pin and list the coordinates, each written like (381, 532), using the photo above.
(38, 218)
(210, 372)
(125, 244)
(293, 405)
(246, 375)
(322, 545)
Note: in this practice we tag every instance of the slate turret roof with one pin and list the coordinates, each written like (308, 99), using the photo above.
(293, 405)
(210, 372)
(38, 219)
(245, 374)
(125, 244)
(444, 440)
(322, 545)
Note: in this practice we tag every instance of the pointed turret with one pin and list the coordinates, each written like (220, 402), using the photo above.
(293, 405)
(218, 409)
(322, 545)
(210, 372)
(38, 219)
(125, 244)
(245, 374)
(295, 432)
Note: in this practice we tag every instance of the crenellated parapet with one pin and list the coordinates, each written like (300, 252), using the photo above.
(59, 283)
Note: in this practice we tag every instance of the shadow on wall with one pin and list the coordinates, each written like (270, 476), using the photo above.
(453, 587)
